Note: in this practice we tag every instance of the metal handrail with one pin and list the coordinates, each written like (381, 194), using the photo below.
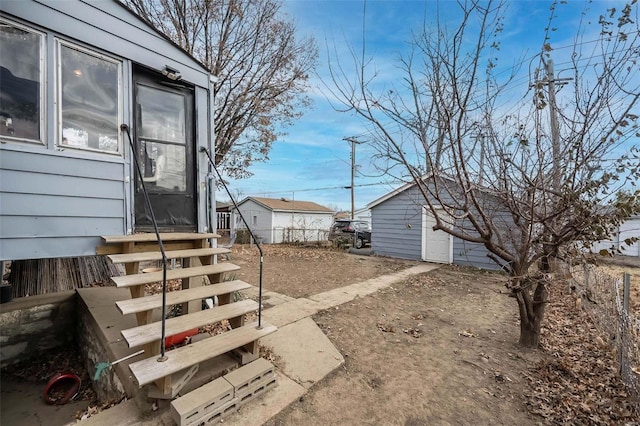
(211, 162)
(163, 357)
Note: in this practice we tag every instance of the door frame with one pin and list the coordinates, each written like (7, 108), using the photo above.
(155, 80)
(426, 212)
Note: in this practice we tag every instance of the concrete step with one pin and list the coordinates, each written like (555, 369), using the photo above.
(149, 370)
(147, 303)
(152, 277)
(156, 255)
(149, 333)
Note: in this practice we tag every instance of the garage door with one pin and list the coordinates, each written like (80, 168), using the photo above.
(436, 245)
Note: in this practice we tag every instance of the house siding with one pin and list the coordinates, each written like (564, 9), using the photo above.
(628, 229)
(300, 226)
(108, 26)
(58, 202)
(397, 232)
(54, 202)
(262, 228)
(397, 226)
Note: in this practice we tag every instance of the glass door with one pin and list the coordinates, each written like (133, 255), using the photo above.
(164, 146)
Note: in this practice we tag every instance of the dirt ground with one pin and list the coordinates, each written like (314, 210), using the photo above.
(301, 271)
(441, 348)
(437, 349)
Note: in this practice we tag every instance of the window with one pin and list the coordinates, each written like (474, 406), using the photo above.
(162, 137)
(89, 101)
(21, 82)
(255, 221)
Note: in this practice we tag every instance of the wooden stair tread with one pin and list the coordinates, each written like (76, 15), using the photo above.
(156, 255)
(141, 304)
(148, 333)
(152, 277)
(149, 370)
(166, 236)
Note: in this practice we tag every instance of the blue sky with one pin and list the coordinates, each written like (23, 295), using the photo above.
(312, 161)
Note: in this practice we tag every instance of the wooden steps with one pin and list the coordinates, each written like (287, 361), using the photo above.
(146, 303)
(152, 277)
(149, 333)
(150, 369)
(151, 237)
(199, 260)
(156, 255)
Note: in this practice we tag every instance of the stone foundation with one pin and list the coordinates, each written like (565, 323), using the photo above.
(30, 326)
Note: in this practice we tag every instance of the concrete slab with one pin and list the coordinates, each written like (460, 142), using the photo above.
(264, 408)
(127, 413)
(22, 404)
(103, 296)
(307, 354)
(269, 298)
(289, 312)
(346, 294)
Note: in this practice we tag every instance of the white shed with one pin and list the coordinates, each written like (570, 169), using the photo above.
(278, 220)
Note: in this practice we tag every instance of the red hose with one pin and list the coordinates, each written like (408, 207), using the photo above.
(68, 383)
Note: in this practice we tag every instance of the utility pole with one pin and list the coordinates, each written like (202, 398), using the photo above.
(555, 129)
(353, 142)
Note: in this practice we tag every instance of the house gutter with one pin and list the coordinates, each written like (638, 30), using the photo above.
(213, 224)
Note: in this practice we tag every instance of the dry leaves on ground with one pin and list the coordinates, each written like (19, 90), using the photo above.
(578, 382)
(43, 368)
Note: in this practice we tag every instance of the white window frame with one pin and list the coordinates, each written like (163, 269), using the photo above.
(42, 81)
(59, 43)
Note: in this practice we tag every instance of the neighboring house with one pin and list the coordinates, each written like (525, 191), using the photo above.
(630, 228)
(402, 227)
(363, 214)
(71, 73)
(283, 220)
(223, 213)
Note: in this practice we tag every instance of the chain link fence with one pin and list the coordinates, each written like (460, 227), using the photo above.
(299, 235)
(606, 300)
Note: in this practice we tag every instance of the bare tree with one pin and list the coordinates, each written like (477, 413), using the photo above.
(530, 181)
(261, 66)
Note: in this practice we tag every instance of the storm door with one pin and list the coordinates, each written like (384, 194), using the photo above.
(164, 138)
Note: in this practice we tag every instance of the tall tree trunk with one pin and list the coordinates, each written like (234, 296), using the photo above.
(40, 276)
(532, 300)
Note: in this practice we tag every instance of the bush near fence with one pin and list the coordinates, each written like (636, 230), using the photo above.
(606, 299)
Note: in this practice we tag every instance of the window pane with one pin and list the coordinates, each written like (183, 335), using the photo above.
(20, 82)
(163, 165)
(162, 115)
(89, 94)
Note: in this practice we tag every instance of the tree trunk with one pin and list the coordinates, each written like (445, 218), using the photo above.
(531, 309)
(40, 276)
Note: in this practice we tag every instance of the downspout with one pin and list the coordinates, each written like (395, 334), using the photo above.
(213, 221)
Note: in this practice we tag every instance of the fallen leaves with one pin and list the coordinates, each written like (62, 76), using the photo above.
(578, 383)
(466, 333)
(385, 328)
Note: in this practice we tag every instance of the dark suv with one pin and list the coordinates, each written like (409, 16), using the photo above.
(356, 232)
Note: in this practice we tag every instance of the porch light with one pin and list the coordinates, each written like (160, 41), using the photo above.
(170, 73)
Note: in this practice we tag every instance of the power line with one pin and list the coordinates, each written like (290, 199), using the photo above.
(397, 182)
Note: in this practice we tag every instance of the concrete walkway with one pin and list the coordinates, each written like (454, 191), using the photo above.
(305, 354)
